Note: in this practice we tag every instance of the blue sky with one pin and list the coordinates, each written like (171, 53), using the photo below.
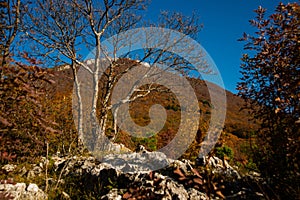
(224, 23)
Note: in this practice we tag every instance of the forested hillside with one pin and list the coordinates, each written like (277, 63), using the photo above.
(68, 69)
(55, 99)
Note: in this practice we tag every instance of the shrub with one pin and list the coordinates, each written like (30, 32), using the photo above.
(224, 151)
(149, 142)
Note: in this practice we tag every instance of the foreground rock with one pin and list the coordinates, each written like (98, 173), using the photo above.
(20, 191)
(219, 166)
(117, 184)
(138, 161)
(137, 176)
(131, 176)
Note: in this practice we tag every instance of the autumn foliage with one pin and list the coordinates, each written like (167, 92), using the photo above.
(271, 85)
(23, 123)
(36, 102)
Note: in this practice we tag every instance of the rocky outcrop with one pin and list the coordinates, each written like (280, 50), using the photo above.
(219, 166)
(20, 191)
(117, 184)
(131, 176)
(138, 161)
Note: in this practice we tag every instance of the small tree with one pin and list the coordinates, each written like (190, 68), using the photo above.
(271, 87)
(23, 124)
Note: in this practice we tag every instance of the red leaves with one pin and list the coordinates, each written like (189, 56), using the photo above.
(196, 173)
(127, 195)
(9, 181)
(7, 156)
(195, 180)
(180, 174)
(219, 193)
(30, 60)
(270, 77)
(22, 111)
(5, 122)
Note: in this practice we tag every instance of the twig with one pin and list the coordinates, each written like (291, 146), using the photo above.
(46, 175)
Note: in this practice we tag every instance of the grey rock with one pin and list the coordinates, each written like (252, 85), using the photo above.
(112, 195)
(132, 174)
(9, 168)
(174, 190)
(196, 195)
(32, 188)
(137, 162)
(19, 191)
(36, 171)
(222, 167)
(13, 190)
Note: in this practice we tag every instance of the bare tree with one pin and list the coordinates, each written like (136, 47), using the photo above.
(66, 27)
(58, 28)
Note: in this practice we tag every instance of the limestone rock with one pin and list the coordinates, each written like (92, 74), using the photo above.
(15, 191)
(137, 162)
(196, 195)
(19, 191)
(220, 166)
(141, 175)
(112, 195)
(9, 168)
(32, 188)
(36, 171)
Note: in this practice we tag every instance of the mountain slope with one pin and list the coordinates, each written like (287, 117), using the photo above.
(237, 125)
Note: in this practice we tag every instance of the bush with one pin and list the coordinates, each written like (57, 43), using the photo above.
(224, 151)
(149, 142)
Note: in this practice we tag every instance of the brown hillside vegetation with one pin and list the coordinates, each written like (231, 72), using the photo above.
(237, 121)
(57, 126)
